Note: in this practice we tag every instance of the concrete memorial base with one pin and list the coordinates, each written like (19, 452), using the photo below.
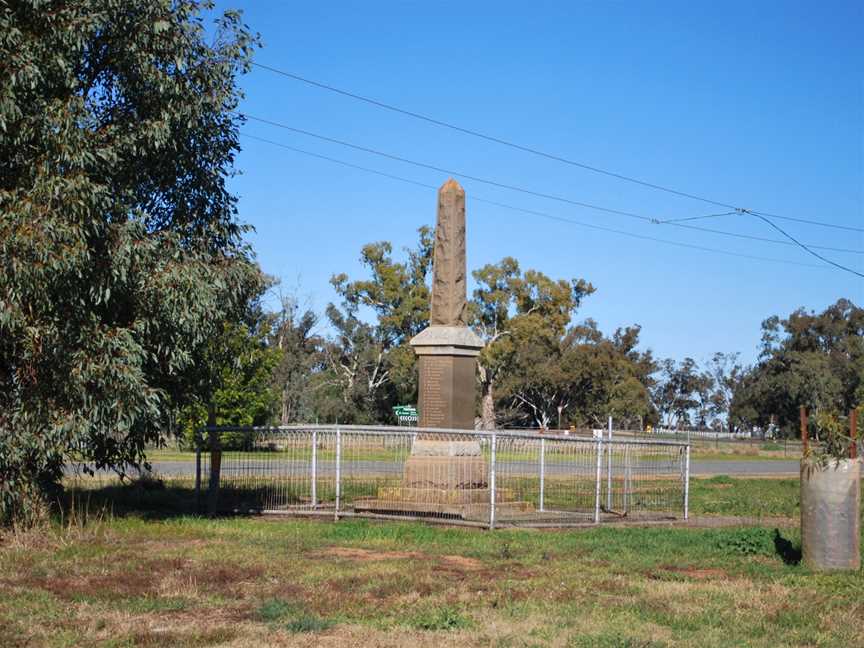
(445, 478)
(468, 504)
(445, 464)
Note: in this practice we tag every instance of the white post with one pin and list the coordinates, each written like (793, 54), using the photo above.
(314, 469)
(338, 471)
(542, 471)
(687, 483)
(626, 478)
(597, 482)
(609, 469)
(492, 483)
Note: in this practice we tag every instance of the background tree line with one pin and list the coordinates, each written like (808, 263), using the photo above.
(353, 363)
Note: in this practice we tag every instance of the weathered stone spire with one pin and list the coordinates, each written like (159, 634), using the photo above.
(448, 264)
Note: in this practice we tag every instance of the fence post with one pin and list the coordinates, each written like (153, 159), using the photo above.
(853, 434)
(492, 482)
(215, 471)
(597, 481)
(687, 483)
(338, 472)
(609, 469)
(197, 473)
(542, 472)
(805, 435)
(314, 494)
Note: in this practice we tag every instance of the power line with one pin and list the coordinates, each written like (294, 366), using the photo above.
(515, 188)
(432, 167)
(811, 222)
(531, 211)
(761, 239)
(802, 246)
(528, 149)
(690, 218)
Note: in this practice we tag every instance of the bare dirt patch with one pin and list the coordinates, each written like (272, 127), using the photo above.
(367, 555)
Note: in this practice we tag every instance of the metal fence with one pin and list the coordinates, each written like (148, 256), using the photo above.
(475, 478)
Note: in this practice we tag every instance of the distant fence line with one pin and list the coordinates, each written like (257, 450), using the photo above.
(503, 478)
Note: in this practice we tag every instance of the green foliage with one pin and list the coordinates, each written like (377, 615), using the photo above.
(297, 621)
(300, 361)
(746, 542)
(531, 363)
(370, 367)
(720, 479)
(440, 618)
(832, 441)
(239, 390)
(275, 610)
(120, 249)
(522, 318)
(810, 359)
(308, 623)
(683, 394)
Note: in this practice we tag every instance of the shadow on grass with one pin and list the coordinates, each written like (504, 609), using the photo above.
(149, 499)
(152, 498)
(788, 552)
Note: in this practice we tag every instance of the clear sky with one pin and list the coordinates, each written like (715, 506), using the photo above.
(756, 104)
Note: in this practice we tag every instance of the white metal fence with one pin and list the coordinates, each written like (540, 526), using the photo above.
(477, 478)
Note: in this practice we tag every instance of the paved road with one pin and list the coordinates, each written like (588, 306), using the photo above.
(698, 467)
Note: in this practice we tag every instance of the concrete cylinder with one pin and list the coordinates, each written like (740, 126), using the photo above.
(830, 515)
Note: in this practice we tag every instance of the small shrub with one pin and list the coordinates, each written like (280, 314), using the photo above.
(274, 610)
(438, 619)
(746, 542)
(308, 623)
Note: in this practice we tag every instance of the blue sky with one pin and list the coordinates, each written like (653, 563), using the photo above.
(754, 104)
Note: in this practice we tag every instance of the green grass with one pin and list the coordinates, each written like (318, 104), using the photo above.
(133, 580)
(724, 495)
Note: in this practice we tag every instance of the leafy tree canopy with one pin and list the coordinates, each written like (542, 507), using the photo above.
(119, 243)
(811, 359)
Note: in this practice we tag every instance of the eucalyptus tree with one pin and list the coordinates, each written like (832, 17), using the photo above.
(120, 248)
(521, 318)
(808, 358)
(371, 365)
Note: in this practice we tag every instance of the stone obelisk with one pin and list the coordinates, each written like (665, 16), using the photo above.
(447, 353)
(446, 473)
(447, 348)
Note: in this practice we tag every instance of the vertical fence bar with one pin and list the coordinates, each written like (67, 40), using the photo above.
(197, 474)
(853, 434)
(338, 471)
(687, 482)
(597, 480)
(609, 469)
(492, 482)
(215, 471)
(542, 472)
(314, 493)
(626, 478)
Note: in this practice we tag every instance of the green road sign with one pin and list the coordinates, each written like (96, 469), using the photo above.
(406, 414)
